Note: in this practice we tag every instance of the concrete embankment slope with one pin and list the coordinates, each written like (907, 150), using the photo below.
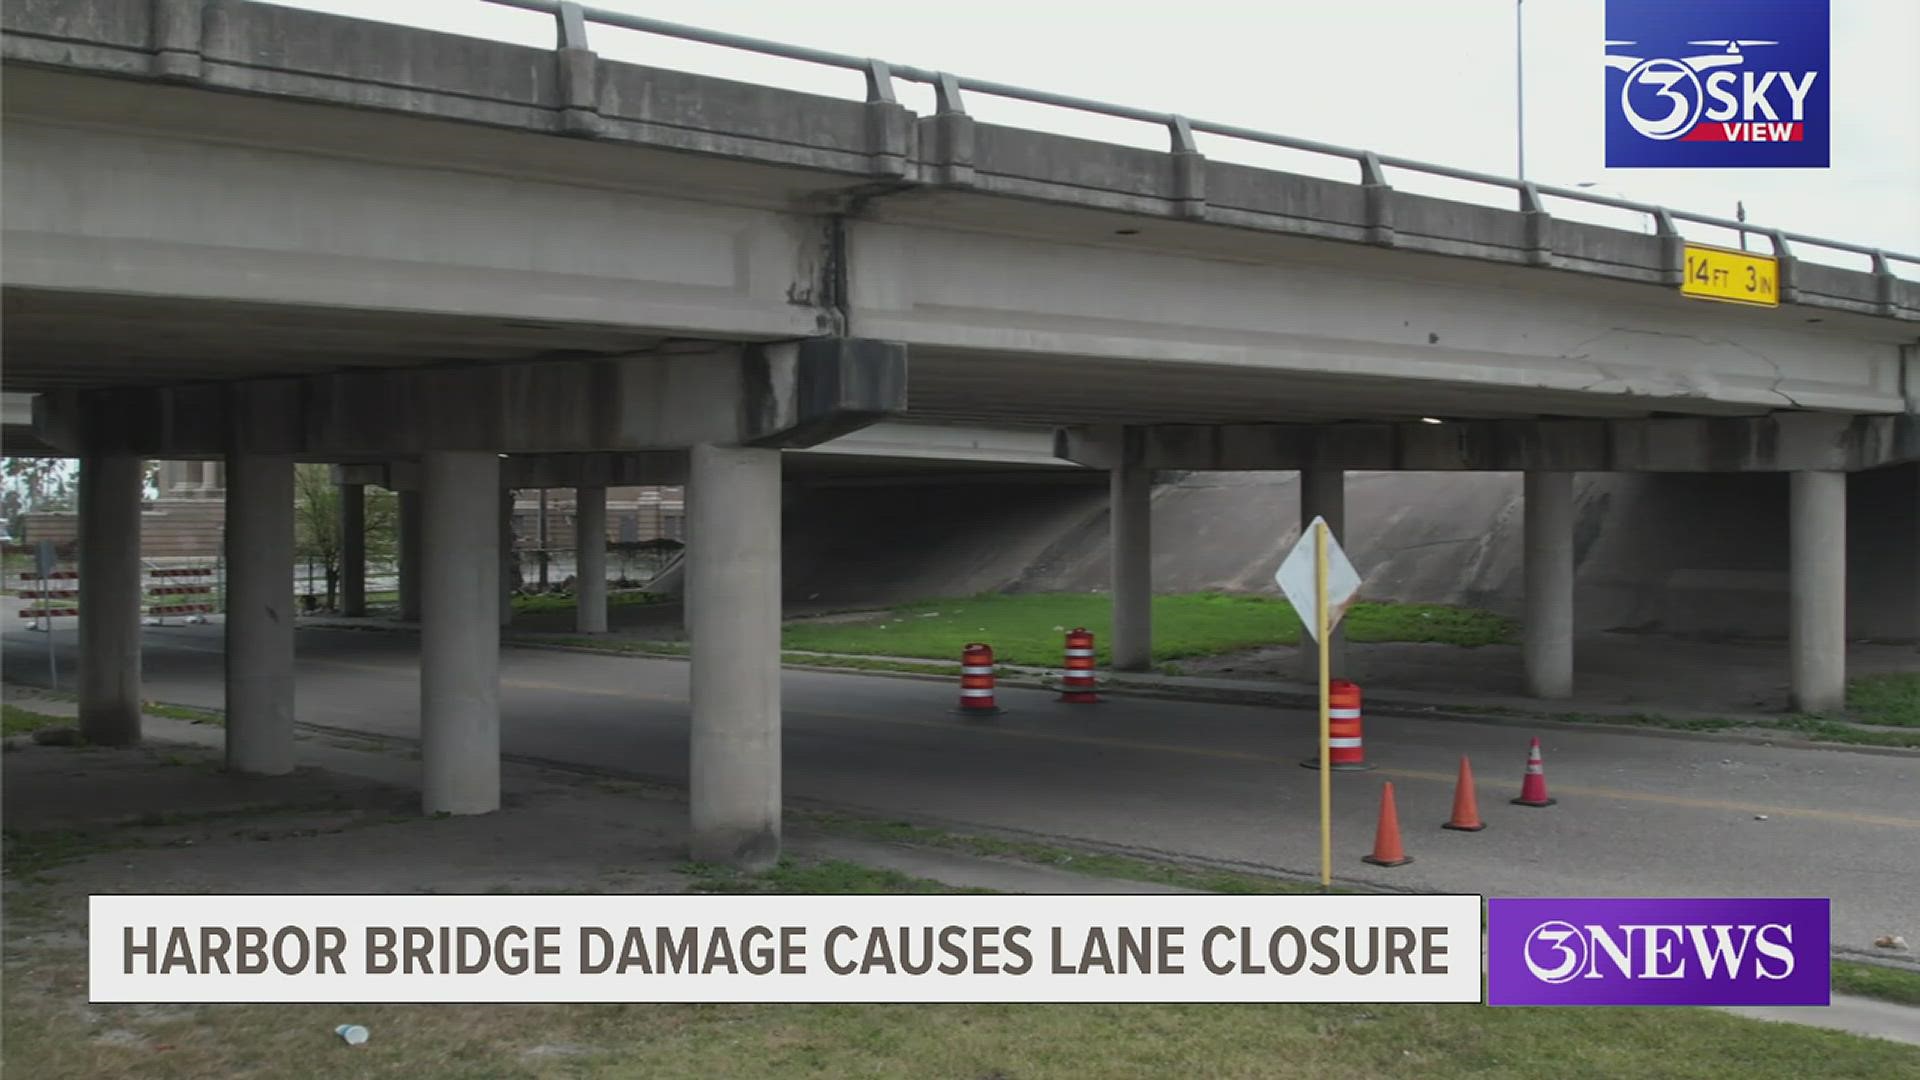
(1678, 552)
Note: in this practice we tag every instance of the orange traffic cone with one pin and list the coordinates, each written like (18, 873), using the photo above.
(1533, 789)
(1386, 839)
(1466, 808)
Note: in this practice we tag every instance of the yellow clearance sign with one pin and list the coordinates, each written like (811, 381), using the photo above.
(1734, 277)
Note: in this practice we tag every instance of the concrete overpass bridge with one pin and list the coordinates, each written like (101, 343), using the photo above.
(269, 235)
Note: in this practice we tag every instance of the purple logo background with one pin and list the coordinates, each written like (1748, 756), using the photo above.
(1541, 952)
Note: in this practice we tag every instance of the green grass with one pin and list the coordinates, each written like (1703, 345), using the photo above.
(1814, 728)
(1091, 863)
(545, 602)
(605, 644)
(19, 721)
(833, 876)
(49, 1037)
(1892, 699)
(1027, 628)
(681, 648)
(189, 713)
(1876, 981)
(15, 720)
(1822, 729)
(27, 854)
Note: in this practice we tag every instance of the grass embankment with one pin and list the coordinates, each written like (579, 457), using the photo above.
(1027, 628)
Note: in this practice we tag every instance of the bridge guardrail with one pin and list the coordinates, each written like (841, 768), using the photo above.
(572, 19)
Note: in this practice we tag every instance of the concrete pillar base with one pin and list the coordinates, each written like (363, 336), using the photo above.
(590, 559)
(110, 599)
(1547, 641)
(409, 529)
(1817, 582)
(460, 633)
(353, 550)
(260, 612)
(1132, 532)
(504, 499)
(733, 620)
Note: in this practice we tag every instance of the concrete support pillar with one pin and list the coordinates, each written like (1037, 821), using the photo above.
(1817, 581)
(409, 529)
(590, 559)
(460, 633)
(1323, 493)
(110, 599)
(733, 619)
(1547, 644)
(1131, 519)
(353, 550)
(260, 614)
(505, 500)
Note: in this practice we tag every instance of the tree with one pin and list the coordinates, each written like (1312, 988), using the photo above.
(316, 523)
(34, 483)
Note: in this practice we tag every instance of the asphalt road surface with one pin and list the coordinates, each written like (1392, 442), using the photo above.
(1637, 814)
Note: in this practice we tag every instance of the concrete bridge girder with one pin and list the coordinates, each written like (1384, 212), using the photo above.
(784, 394)
(1354, 323)
(1782, 442)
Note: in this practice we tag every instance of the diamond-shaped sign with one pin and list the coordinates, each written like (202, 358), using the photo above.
(1296, 579)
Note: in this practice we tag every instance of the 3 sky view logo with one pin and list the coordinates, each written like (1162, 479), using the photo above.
(1658, 952)
(1717, 83)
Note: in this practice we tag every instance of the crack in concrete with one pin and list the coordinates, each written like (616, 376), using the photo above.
(1573, 353)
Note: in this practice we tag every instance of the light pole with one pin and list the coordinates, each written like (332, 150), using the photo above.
(1519, 87)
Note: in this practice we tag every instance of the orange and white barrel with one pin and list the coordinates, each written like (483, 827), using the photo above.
(1345, 744)
(976, 681)
(1076, 677)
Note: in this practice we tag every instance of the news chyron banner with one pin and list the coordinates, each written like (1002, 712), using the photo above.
(711, 949)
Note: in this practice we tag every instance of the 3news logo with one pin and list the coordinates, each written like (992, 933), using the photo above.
(1650, 951)
(1717, 83)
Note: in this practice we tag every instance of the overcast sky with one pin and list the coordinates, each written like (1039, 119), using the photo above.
(1425, 79)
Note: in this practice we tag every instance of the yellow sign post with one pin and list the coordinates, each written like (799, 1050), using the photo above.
(1731, 277)
(1320, 583)
(1326, 668)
